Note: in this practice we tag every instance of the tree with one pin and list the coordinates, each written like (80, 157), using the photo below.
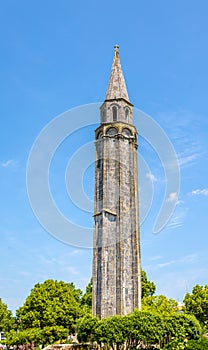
(47, 335)
(7, 321)
(159, 303)
(50, 304)
(24, 337)
(51, 334)
(147, 327)
(196, 303)
(183, 326)
(148, 288)
(87, 297)
(140, 329)
(201, 344)
(86, 329)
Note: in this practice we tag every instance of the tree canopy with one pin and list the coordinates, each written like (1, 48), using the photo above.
(47, 335)
(54, 309)
(87, 297)
(148, 287)
(159, 303)
(51, 303)
(196, 303)
(139, 329)
(7, 321)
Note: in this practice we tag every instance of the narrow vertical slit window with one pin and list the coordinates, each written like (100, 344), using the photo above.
(114, 113)
(127, 114)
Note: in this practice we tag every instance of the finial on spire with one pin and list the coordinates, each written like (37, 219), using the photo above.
(116, 53)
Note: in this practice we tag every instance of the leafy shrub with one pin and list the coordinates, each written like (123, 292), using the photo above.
(201, 344)
(141, 329)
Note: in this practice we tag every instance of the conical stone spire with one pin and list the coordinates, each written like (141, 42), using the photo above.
(116, 86)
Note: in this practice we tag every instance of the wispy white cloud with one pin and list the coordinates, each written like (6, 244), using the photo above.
(8, 279)
(47, 260)
(175, 222)
(59, 261)
(179, 215)
(197, 192)
(173, 197)
(154, 258)
(75, 252)
(185, 159)
(151, 177)
(73, 270)
(181, 126)
(184, 280)
(167, 263)
(8, 163)
(62, 263)
(25, 273)
(188, 259)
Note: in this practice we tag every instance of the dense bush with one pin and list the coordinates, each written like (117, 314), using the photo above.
(47, 335)
(140, 329)
(200, 344)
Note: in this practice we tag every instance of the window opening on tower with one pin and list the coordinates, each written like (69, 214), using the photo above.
(127, 113)
(114, 109)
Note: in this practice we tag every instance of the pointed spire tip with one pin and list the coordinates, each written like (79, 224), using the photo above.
(116, 53)
(116, 86)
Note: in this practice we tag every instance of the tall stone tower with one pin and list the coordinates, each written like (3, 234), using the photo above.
(116, 252)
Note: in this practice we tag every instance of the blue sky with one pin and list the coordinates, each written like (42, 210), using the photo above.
(56, 56)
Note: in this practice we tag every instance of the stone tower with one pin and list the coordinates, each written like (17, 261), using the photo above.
(116, 252)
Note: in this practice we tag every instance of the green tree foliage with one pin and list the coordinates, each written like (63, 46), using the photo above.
(200, 344)
(148, 287)
(47, 335)
(49, 304)
(49, 314)
(112, 330)
(87, 297)
(182, 326)
(140, 329)
(52, 334)
(24, 337)
(87, 328)
(147, 328)
(12, 337)
(196, 303)
(7, 321)
(184, 344)
(159, 303)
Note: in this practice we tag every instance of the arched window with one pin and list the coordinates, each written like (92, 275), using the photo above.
(114, 109)
(99, 135)
(126, 132)
(112, 131)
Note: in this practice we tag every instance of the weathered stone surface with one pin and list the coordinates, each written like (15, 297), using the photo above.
(116, 253)
(116, 86)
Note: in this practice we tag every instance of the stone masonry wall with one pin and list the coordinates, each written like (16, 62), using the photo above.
(116, 260)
